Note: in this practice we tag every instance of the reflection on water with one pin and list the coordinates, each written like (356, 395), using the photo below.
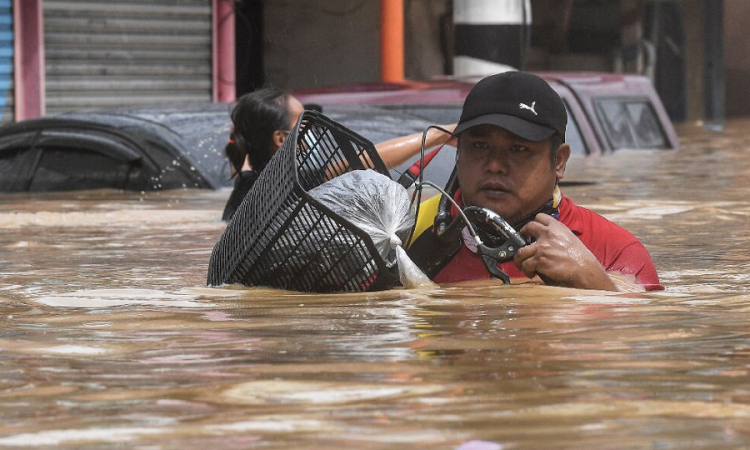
(110, 338)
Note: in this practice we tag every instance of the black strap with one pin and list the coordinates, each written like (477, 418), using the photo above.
(432, 253)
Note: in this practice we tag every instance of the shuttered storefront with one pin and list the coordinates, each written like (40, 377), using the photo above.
(6, 62)
(126, 52)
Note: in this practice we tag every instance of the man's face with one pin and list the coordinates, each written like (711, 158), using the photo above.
(505, 173)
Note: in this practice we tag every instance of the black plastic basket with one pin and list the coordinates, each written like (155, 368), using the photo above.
(284, 238)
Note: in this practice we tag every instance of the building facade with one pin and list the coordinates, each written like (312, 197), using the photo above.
(62, 55)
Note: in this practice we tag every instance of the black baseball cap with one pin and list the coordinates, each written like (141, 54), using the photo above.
(519, 102)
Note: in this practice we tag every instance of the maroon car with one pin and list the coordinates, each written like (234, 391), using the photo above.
(606, 112)
(166, 147)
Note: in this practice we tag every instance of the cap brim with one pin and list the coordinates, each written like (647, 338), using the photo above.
(520, 127)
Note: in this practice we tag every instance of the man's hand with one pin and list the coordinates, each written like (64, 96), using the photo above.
(559, 256)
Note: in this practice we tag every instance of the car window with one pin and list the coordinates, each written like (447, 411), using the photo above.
(77, 168)
(17, 169)
(68, 159)
(60, 168)
(573, 135)
(630, 123)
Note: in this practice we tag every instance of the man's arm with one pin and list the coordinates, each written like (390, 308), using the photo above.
(559, 256)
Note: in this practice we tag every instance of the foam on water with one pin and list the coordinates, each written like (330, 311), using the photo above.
(276, 424)
(61, 437)
(610, 299)
(318, 392)
(97, 219)
(74, 350)
(105, 298)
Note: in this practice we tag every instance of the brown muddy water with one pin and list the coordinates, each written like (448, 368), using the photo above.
(110, 339)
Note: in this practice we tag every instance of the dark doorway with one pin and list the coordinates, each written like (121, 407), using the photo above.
(664, 28)
(249, 45)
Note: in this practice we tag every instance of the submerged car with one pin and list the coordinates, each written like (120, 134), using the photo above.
(129, 149)
(606, 112)
(182, 146)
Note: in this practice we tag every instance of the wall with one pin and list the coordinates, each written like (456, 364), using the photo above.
(692, 11)
(428, 36)
(737, 62)
(308, 44)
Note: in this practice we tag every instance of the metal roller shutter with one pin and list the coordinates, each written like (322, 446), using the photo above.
(6, 62)
(129, 52)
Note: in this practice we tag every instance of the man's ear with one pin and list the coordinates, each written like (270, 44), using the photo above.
(563, 154)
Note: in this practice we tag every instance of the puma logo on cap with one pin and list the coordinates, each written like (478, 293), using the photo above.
(530, 108)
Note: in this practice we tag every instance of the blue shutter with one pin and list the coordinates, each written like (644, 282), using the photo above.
(6, 61)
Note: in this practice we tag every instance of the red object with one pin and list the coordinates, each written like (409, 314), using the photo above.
(614, 247)
(412, 173)
(222, 30)
(28, 46)
(391, 40)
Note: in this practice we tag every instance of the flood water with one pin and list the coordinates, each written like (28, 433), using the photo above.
(110, 339)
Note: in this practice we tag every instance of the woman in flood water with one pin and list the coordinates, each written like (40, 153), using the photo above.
(261, 120)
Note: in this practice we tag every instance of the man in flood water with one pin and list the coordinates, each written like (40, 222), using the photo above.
(511, 155)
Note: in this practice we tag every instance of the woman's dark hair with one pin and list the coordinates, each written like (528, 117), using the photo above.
(255, 117)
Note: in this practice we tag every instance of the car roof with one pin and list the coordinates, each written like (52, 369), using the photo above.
(438, 90)
(197, 132)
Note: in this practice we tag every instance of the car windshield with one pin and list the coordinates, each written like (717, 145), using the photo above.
(631, 124)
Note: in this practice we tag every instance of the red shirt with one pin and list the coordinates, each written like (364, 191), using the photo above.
(613, 246)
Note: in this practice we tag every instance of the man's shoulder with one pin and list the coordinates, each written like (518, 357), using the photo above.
(585, 222)
(615, 247)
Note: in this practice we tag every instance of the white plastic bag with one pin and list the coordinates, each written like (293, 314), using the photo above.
(410, 275)
(373, 202)
(380, 207)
